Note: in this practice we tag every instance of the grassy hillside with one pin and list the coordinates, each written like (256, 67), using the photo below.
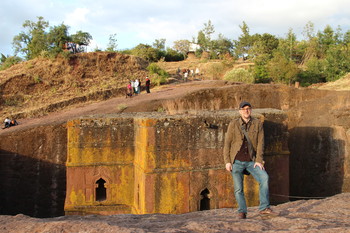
(36, 87)
(42, 85)
(342, 84)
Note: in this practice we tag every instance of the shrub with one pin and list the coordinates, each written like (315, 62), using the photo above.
(157, 74)
(153, 68)
(216, 70)
(9, 61)
(239, 75)
(158, 80)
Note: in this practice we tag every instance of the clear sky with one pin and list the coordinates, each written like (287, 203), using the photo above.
(143, 21)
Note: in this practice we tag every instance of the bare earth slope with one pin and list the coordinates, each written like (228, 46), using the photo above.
(141, 103)
(327, 215)
(43, 85)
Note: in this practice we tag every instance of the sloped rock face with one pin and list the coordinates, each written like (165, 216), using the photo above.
(327, 215)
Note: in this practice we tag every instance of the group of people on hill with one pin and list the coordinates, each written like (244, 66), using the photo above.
(73, 47)
(134, 87)
(8, 123)
(186, 73)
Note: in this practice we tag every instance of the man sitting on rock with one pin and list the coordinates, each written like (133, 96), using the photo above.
(243, 154)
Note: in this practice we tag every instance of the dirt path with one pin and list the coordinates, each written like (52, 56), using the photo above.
(114, 105)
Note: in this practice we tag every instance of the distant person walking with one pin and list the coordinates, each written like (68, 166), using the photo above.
(129, 90)
(185, 76)
(148, 85)
(132, 82)
(139, 86)
(136, 86)
(197, 72)
(243, 154)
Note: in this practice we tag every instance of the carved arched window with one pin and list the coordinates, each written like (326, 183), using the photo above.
(101, 192)
(205, 200)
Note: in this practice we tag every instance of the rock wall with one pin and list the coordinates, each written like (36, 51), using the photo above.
(32, 171)
(318, 124)
(158, 163)
(316, 132)
(101, 148)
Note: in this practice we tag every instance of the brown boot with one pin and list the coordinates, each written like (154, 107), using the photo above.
(268, 211)
(242, 215)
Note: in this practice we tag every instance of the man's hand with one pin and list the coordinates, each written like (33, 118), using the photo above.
(229, 167)
(259, 165)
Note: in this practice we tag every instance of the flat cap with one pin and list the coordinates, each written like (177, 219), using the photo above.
(244, 103)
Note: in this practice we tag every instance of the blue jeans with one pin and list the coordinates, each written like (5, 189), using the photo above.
(259, 175)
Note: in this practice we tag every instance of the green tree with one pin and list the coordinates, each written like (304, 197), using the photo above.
(261, 74)
(291, 41)
(310, 44)
(290, 47)
(244, 42)
(31, 42)
(34, 39)
(326, 56)
(159, 44)
(81, 38)
(336, 63)
(346, 40)
(57, 37)
(146, 52)
(326, 38)
(261, 52)
(222, 45)
(208, 30)
(282, 69)
(338, 36)
(182, 46)
(112, 44)
(263, 44)
(309, 31)
(204, 36)
(202, 42)
(313, 72)
(173, 55)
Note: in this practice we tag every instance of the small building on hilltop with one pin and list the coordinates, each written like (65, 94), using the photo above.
(157, 163)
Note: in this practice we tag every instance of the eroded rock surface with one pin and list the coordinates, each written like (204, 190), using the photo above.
(323, 215)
